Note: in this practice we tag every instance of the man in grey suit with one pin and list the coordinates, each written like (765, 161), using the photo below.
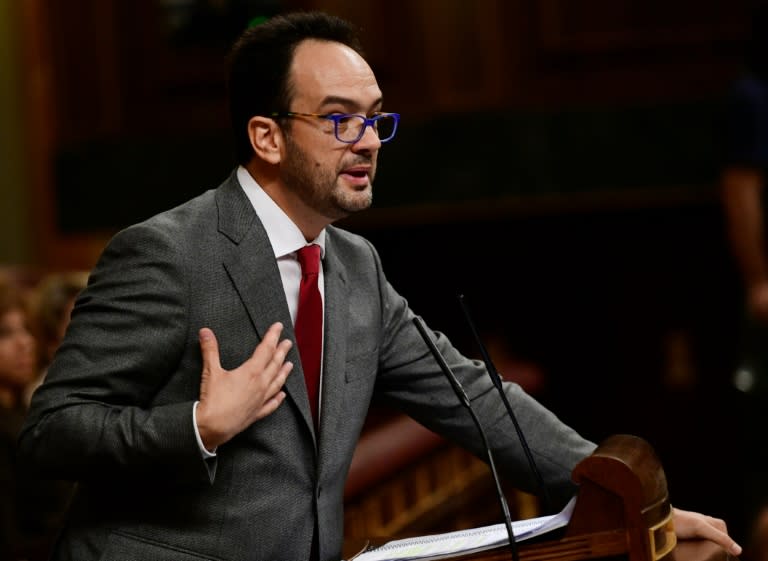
(178, 399)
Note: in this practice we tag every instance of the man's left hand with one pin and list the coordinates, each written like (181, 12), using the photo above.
(692, 525)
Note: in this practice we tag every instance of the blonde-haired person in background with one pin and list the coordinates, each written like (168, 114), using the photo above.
(52, 303)
(17, 370)
(31, 509)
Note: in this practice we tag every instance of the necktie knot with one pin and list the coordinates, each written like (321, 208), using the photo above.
(309, 259)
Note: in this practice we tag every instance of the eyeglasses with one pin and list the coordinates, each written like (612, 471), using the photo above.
(350, 128)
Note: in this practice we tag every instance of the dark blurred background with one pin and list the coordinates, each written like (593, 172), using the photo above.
(561, 155)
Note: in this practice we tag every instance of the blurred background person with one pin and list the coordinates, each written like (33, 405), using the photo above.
(745, 164)
(745, 150)
(17, 370)
(17, 348)
(31, 510)
(52, 303)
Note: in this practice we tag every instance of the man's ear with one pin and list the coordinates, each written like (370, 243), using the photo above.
(266, 139)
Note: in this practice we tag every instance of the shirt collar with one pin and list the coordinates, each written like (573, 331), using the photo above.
(284, 235)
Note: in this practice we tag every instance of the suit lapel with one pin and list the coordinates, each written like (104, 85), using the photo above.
(250, 263)
(335, 345)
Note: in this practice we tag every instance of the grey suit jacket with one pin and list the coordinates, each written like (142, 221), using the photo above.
(115, 412)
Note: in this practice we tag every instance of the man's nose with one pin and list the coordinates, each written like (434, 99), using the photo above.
(368, 142)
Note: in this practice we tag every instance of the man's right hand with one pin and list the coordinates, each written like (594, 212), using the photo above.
(231, 400)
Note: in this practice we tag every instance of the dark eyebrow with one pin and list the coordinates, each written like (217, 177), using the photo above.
(335, 99)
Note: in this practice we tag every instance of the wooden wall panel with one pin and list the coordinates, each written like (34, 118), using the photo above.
(83, 36)
(633, 51)
(590, 26)
(464, 53)
(110, 71)
(454, 56)
(47, 118)
(168, 84)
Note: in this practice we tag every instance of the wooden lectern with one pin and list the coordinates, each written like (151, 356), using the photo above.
(622, 512)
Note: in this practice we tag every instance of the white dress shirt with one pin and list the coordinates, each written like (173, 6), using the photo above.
(286, 239)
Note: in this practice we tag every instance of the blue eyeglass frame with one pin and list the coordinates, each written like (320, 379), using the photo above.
(337, 117)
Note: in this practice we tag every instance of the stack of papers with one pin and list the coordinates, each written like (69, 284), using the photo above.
(440, 546)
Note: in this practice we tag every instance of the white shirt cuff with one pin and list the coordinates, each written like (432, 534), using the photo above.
(203, 450)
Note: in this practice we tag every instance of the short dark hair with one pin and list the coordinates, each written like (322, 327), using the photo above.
(260, 62)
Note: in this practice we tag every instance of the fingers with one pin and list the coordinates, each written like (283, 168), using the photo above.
(717, 523)
(277, 370)
(275, 374)
(231, 400)
(275, 390)
(209, 347)
(271, 352)
(269, 349)
(271, 337)
(714, 530)
(694, 525)
(279, 380)
(271, 405)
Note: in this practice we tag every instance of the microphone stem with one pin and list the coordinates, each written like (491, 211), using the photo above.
(539, 479)
(499, 492)
(464, 399)
(496, 379)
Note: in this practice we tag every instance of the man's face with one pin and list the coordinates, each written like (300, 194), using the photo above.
(332, 178)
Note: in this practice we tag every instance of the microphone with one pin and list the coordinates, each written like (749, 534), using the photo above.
(496, 379)
(461, 394)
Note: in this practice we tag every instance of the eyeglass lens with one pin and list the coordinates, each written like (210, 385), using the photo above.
(350, 127)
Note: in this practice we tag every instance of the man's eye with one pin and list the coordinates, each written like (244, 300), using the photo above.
(345, 122)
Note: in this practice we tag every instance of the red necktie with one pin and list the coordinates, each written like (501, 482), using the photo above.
(309, 323)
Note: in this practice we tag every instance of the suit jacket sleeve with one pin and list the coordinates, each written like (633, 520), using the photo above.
(411, 380)
(97, 414)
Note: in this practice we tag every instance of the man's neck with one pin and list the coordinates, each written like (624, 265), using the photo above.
(306, 219)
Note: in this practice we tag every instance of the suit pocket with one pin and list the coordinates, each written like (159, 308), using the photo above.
(362, 365)
(124, 546)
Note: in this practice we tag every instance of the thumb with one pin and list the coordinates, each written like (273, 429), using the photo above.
(209, 348)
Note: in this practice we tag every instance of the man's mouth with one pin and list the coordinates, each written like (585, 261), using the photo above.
(357, 175)
(358, 171)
